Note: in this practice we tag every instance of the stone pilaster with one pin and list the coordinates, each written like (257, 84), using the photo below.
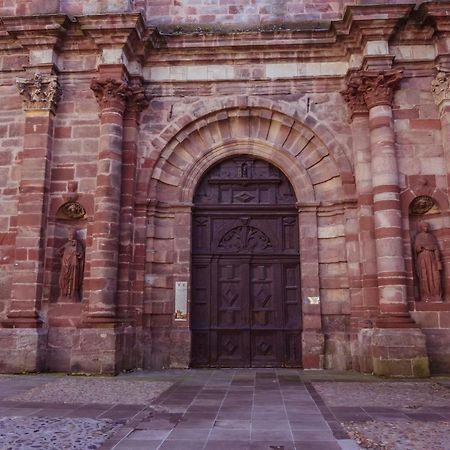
(364, 314)
(440, 88)
(136, 102)
(396, 345)
(40, 96)
(111, 90)
(313, 339)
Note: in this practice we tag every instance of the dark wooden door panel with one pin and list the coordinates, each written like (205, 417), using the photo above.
(230, 348)
(245, 306)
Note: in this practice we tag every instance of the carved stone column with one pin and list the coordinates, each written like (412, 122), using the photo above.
(136, 102)
(398, 347)
(377, 89)
(40, 96)
(111, 94)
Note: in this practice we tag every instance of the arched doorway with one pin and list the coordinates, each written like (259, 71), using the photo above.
(245, 307)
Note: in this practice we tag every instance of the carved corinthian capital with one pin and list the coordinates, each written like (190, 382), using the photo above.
(137, 98)
(440, 86)
(111, 93)
(39, 92)
(353, 97)
(378, 87)
(366, 89)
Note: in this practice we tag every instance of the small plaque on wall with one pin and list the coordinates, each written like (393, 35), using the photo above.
(181, 300)
(312, 300)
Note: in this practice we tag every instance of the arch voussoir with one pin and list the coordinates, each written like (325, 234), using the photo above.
(260, 127)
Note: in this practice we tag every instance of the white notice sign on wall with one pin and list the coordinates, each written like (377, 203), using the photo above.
(181, 300)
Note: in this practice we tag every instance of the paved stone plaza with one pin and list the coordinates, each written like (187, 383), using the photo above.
(223, 409)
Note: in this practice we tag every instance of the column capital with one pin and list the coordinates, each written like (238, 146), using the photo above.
(354, 98)
(440, 87)
(41, 92)
(137, 99)
(372, 88)
(111, 93)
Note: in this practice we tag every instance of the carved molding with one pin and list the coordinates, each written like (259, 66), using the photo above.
(367, 89)
(111, 93)
(440, 86)
(41, 92)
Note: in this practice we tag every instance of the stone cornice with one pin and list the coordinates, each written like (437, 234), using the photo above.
(313, 40)
(35, 31)
(42, 92)
(125, 31)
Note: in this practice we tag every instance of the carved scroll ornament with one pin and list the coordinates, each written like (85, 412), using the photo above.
(39, 92)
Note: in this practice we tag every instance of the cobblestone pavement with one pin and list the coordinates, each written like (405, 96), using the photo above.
(232, 409)
(384, 415)
(95, 390)
(393, 394)
(25, 433)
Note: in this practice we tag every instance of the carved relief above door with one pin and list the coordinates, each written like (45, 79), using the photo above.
(245, 309)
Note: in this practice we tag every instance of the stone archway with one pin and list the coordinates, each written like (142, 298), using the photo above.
(316, 173)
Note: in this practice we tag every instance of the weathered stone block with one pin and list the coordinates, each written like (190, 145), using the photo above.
(399, 353)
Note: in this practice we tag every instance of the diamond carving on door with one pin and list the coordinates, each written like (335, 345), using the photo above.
(245, 308)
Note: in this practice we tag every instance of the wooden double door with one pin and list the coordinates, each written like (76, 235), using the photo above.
(245, 307)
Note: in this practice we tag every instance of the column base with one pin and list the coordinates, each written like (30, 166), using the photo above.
(23, 350)
(313, 350)
(399, 352)
(96, 351)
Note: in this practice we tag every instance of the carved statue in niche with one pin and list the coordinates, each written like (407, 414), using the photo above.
(428, 264)
(72, 268)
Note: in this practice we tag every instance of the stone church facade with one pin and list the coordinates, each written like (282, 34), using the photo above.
(225, 184)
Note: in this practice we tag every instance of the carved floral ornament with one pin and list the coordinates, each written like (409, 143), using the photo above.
(367, 89)
(440, 86)
(39, 92)
(111, 93)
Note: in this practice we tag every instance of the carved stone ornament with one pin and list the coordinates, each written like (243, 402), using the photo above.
(73, 210)
(137, 98)
(353, 96)
(111, 93)
(440, 86)
(39, 92)
(371, 88)
(421, 204)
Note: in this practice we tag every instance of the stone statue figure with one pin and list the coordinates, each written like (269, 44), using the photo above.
(72, 267)
(428, 264)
